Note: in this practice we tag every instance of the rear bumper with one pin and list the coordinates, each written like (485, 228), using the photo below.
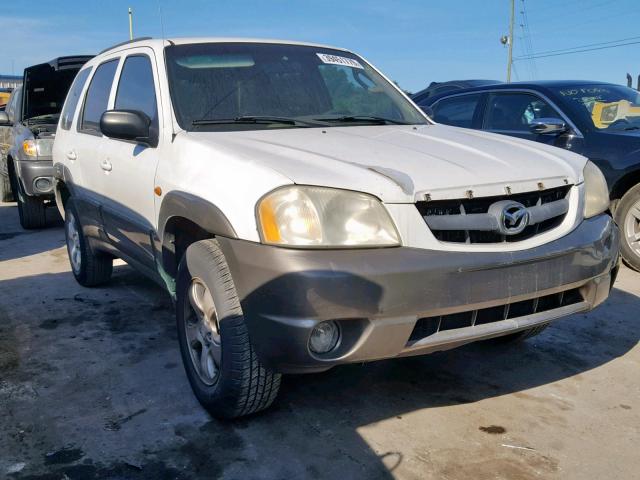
(28, 171)
(378, 295)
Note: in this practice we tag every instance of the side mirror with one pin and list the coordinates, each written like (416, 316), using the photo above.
(4, 119)
(130, 125)
(548, 126)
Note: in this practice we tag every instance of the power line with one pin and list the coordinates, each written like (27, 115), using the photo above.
(527, 40)
(583, 46)
(576, 51)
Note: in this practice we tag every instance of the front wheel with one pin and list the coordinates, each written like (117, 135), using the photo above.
(627, 216)
(221, 365)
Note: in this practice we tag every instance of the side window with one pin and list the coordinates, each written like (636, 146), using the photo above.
(457, 111)
(13, 107)
(73, 97)
(97, 98)
(516, 111)
(136, 89)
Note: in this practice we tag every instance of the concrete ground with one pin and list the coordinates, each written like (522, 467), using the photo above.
(91, 386)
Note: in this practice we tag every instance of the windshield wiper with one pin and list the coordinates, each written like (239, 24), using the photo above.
(363, 119)
(253, 119)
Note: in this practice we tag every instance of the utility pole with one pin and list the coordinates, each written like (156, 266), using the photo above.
(510, 54)
(130, 24)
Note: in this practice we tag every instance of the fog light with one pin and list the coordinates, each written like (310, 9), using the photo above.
(42, 184)
(324, 337)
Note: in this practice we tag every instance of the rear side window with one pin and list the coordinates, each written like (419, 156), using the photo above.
(97, 98)
(136, 89)
(516, 111)
(457, 111)
(69, 109)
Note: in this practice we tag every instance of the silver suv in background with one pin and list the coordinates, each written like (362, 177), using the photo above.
(27, 130)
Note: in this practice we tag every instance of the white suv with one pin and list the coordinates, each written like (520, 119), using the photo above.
(304, 213)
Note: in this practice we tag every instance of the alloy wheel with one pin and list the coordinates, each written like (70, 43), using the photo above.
(632, 228)
(203, 333)
(73, 243)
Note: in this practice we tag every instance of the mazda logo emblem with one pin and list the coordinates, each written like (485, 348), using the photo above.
(513, 219)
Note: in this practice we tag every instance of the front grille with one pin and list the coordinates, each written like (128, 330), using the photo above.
(481, 205)
(428, 326)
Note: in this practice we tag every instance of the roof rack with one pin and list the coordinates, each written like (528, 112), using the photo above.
(124, 43)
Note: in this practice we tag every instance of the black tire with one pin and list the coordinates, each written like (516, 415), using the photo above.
(241, 385)
(520, 336)
(94, 267)
(6, 194)
(625, 220)
(32, 210)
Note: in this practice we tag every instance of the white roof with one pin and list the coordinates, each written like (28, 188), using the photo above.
(159, 43)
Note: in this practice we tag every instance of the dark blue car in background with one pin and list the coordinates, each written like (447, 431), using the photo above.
(598, 120)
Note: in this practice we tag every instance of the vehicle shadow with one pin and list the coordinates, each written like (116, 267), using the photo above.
(16, 242)
(129, 412)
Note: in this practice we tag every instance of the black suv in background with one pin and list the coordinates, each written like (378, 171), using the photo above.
(438, 88)
(598, 120)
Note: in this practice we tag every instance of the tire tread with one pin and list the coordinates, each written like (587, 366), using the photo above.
(249, 387)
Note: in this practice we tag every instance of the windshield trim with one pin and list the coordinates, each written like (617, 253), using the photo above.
(188, 127)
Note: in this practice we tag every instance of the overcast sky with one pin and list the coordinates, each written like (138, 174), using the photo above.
(412, 41)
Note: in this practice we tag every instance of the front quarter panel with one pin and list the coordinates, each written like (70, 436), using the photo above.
(227, 180)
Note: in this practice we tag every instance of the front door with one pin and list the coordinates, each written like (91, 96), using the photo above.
(511, 113)
(129, 169)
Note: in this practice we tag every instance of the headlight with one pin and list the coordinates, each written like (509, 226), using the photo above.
(596, 192)
(304, 216)
(29, 147)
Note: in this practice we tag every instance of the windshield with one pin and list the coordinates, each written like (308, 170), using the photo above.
(237, 86)
(606, 107)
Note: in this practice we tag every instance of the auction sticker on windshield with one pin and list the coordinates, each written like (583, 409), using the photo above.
(336, 60)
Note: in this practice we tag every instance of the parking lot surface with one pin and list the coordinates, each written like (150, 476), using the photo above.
(92, 386)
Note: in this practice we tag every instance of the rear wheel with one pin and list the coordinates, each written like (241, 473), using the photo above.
(627, 217)
(89, 267)
(221, 365)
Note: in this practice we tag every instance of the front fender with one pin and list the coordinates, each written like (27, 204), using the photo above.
(193, 208)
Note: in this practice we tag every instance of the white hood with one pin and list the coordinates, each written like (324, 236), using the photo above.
(403, 163)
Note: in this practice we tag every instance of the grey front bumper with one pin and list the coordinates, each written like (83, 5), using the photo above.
(28, 171)
(378, 295)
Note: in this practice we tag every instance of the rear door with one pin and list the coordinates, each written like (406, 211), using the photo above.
(463, 110)
(129, 183)
(87, 151)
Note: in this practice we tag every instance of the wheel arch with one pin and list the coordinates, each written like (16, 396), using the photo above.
(184, 219)
(62, 188)
(624, 184)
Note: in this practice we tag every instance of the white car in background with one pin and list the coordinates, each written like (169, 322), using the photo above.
(304, 213)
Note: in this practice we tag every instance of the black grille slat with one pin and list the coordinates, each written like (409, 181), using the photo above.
(481, 206)
(428, 326)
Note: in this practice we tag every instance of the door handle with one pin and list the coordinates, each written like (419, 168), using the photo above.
(71, 155)
(106, 165)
